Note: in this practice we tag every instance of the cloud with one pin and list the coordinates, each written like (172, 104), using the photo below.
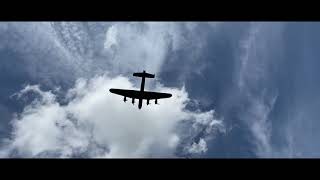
(122, 47)
(96, 123)
(35, 48)
(200, 147)
(254, 82)
(89, 121)
(142, 45)
(117, 47)
(84, 49)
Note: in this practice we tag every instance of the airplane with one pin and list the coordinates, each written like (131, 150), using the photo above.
(142, 94)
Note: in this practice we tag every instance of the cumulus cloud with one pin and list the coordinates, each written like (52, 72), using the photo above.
(200, 147)
(96, 123)
(89, 121)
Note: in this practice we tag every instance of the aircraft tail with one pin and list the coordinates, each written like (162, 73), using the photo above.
(144, 74)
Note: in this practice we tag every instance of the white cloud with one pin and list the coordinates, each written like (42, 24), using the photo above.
(99, 124)
(256, 62)
(198, 148)
(94, 122)
(37, 49)
(142, 45)
(83, 49)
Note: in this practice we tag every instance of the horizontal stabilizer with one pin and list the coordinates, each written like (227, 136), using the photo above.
(144, 74)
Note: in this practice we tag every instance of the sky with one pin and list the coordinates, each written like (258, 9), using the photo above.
(239, 89)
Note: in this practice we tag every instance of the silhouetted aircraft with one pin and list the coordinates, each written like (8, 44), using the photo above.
(148, 95)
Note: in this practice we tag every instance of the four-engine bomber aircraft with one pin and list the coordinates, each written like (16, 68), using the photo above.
(141, 94)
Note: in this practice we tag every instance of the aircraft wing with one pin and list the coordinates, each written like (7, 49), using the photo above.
(155, 95)
(140, 95)
(127, 93)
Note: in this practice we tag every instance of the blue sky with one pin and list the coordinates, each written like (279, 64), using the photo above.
(241, 89)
